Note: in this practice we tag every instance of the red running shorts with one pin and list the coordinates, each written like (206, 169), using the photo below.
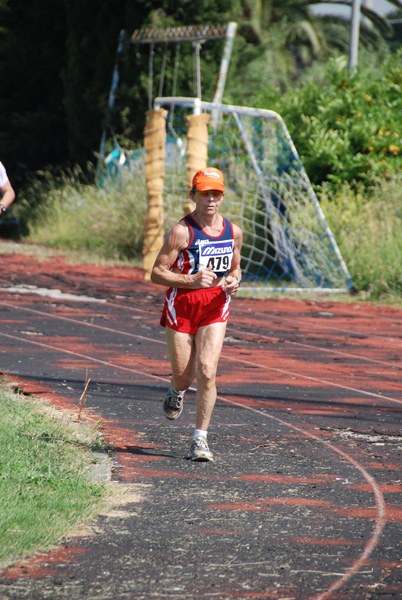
(187, 310)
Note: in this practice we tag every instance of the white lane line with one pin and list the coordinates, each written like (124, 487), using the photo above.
(79, 355)
(230, 358)
(85, 323)
(231, 329)
(315, 322)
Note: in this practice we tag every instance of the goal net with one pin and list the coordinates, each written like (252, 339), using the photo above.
(286, 240)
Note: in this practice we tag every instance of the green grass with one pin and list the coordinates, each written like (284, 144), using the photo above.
(368, 231)
(65, 213)
(44, 492)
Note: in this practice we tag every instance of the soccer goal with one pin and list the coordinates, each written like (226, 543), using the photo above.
(287, 241)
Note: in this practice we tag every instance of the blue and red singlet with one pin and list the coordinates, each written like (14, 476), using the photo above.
(205, 250)
(186, 310)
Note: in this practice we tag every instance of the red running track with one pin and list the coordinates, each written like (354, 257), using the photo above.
(306, 432)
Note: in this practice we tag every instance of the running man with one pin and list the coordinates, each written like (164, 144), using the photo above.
(200, 264)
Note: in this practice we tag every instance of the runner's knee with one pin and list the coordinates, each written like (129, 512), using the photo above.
(206, 374)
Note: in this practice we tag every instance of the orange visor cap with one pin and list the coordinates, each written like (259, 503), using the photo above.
(209, 179)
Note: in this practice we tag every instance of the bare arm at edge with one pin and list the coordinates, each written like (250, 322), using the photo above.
(8, 194)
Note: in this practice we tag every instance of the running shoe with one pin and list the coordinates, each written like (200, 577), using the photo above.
(173, 404)
(199, 450)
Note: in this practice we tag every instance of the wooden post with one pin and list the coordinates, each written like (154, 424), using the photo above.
(197, 150)
(154, 144)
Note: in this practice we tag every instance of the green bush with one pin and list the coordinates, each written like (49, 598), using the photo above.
(346, 127)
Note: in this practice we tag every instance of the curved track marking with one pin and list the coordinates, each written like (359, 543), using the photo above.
(79, 355)
(230, 329)
(229, 358)
(235, 309)
(243, 361)
(85, 323)
(381, 518)
(316, 379)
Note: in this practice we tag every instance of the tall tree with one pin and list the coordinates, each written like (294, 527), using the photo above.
(93, 28)
(32, 124)
(56, 59)
(287, 34)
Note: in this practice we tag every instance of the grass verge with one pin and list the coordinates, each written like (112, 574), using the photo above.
(45, 490)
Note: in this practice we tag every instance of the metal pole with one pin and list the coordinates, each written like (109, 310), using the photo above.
(227, 52)
(197, 47)
(354, 35)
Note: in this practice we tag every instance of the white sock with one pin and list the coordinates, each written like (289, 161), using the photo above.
(200, 432)
(175, 391)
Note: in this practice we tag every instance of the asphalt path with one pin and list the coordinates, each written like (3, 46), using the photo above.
(303, 500)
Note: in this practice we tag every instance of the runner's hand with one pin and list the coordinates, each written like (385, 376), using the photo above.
(232, 285)
(204, 278)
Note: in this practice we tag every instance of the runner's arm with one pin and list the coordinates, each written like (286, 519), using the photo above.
(162, 274)
(234, 276)
(7, 195)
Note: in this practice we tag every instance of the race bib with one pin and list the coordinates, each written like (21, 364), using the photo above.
(217, 255)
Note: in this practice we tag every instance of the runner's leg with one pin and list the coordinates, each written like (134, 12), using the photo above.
(182, 355)
(209, 342)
